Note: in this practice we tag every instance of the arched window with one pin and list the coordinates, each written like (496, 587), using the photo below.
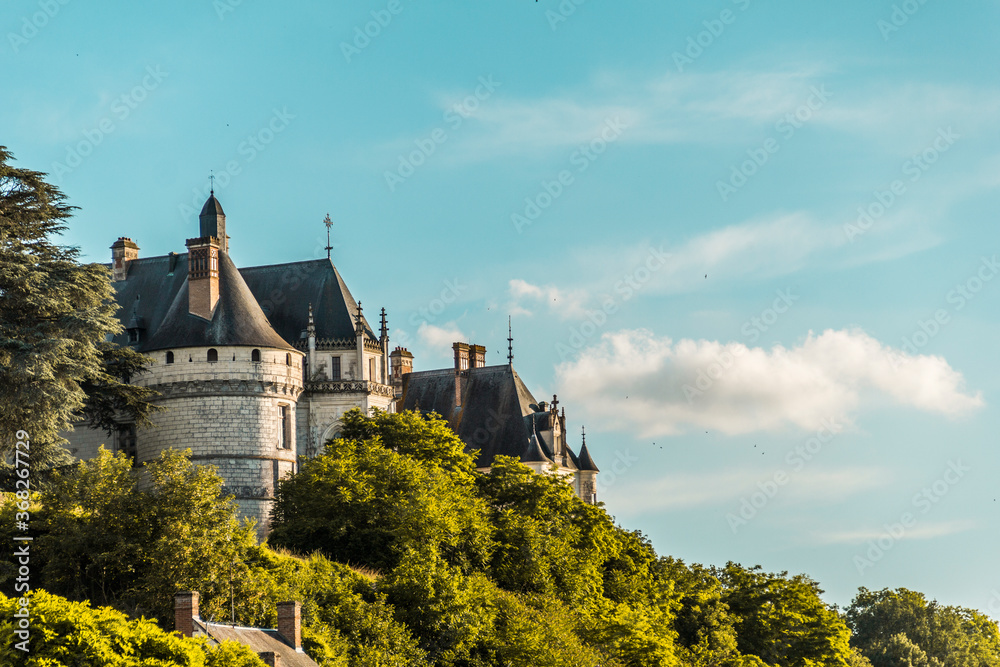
(288, 359)
(213, 354)
(170, 357)
(255, 355)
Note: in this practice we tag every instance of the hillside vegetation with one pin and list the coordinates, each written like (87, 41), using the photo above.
(402, 554)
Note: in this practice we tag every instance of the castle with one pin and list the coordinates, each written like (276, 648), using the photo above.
(255, 367)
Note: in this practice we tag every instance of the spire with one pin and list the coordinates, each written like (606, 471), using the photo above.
(359, 327)
(510, 344)
(384, 331)
(329, 223)
(585, 460)
(212, 222)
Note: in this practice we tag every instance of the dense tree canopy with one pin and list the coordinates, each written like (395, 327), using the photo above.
(439, 565)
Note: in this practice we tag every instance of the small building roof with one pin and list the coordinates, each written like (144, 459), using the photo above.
(259, 640)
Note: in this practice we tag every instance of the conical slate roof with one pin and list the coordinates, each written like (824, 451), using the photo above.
(238, 319)
(584, 460)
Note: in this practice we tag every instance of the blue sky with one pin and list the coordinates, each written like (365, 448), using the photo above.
(759, 235)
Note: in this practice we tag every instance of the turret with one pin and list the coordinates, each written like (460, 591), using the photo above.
(212, 222)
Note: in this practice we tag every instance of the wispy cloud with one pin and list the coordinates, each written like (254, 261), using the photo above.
(921, 531)
(726, 487)
(712, 108)
(633, 380)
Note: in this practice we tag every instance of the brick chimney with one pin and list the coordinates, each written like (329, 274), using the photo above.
(203, 276)
(185, 611)
(270, 659)
(123, 251)
(290, 623)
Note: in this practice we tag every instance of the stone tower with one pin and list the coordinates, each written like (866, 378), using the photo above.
(229, 382)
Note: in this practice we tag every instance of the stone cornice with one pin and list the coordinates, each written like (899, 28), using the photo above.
(226, 387)
(350, 387)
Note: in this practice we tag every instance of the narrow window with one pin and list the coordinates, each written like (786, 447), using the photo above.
(255, 355)
(371, 369)
(170, 357)
(288, 359)
(213, 354)
(284, 441)
(127, 441)
(335, 368)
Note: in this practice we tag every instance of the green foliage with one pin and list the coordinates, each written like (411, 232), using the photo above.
(782, 620)
(119, 537)
(427, 439)
(416, 559)
(897, 628)
(360, 502)
(54, 315)
(73, 634)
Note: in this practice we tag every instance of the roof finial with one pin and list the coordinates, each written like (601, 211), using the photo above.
(312, 322)
(329, 223)
(583, 429)
(211, 179)
(510, 344)
(384, 332)
(359, 327)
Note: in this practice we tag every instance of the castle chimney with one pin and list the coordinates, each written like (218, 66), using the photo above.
(185, 611)
(401, 361)
(123, 251)
(270, 658)
(203, 276)
(477, 356)
(461, 364)
(290, 623)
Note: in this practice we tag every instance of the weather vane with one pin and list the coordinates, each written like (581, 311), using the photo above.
(329, 223)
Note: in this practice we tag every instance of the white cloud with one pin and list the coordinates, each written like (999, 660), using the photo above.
(652, 386)
(440, 338)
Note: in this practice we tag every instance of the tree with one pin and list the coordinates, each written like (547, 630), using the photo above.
(782, 620)
(364, 503)
(131, 539)
(74, 634)
(55, 314)
(896, 628)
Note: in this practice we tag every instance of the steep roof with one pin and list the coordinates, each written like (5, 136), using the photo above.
(237, 320)
(285, 291)
(584, 461)
(498, 414)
